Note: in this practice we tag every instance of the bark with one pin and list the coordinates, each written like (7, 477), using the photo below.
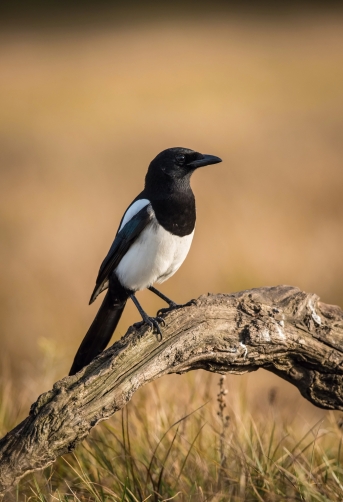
(281, 329)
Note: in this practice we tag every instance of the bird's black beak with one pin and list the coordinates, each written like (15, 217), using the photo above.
(205, 161)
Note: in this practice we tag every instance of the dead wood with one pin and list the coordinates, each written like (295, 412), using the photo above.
(281, 329)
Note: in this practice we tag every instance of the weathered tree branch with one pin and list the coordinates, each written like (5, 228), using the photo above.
(281, 329)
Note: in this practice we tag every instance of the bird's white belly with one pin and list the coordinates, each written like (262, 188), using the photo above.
(154, 257)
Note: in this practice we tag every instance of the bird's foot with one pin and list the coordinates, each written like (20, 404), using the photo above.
(154, 323)
(174, 306)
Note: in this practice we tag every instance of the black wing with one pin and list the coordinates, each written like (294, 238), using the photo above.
(121, 244)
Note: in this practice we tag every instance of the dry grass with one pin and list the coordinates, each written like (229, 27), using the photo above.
(82, 114)
(173, 443)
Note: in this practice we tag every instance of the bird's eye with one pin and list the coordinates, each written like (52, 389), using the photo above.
(180, 159)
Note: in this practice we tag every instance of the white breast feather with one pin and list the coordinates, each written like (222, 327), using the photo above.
(154, 257)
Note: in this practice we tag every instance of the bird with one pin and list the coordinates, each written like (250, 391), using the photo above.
(152, 241)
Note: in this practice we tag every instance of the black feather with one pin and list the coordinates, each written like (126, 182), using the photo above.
(103, 326)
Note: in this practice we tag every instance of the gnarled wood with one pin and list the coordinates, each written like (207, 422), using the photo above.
(281, 329)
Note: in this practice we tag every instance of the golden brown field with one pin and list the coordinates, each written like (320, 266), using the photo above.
(83, 111)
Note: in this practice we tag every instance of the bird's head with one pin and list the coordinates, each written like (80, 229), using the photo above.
(178, 163)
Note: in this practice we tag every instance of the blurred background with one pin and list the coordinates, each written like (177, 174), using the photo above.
(88, 96)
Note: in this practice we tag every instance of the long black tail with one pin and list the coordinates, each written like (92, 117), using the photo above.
(99, 333)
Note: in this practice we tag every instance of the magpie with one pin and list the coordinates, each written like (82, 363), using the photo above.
(152, 241)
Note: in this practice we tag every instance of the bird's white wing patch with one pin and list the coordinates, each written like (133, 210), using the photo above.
(132, 210)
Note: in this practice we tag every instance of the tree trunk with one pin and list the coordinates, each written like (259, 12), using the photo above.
(281, 329)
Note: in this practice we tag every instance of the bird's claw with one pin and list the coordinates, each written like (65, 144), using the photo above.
(153, 323)
(190, 303)
(173, 306)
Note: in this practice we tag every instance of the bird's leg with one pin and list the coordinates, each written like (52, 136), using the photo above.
(164, 297)
(153, 322)
(172, 305)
